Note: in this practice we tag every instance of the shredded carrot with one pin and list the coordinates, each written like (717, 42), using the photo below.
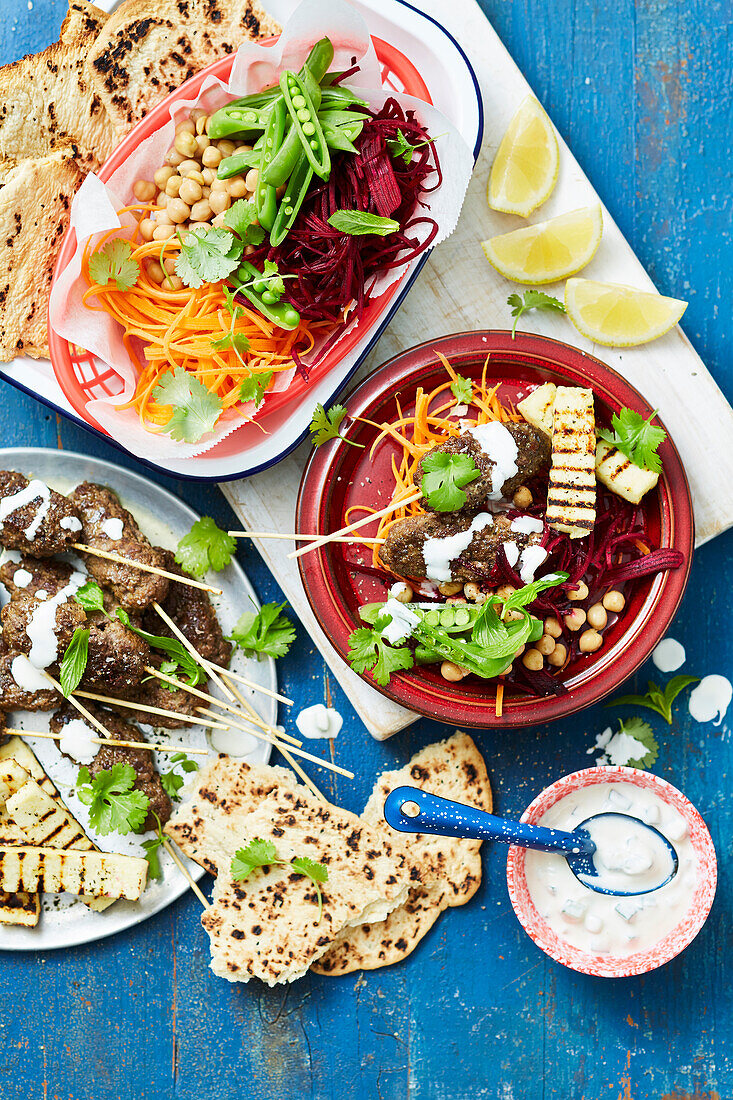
(499, 699)
(165, 328)
(433, 421)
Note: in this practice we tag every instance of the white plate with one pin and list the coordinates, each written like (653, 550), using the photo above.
(65, 921)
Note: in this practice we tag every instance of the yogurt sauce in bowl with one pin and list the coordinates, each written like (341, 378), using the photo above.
(599, 933)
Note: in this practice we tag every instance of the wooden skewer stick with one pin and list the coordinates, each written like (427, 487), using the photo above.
(291, 748)
(113, 741)
(191, 881)
(109, 555)
(188, 719)
(210, 699)
(296, 538)
(323, 539)
(229, 675)
(193, 651)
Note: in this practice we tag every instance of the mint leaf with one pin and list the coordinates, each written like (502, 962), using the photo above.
(74, 661)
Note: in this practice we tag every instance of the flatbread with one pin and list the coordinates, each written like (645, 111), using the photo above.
(209, 828)
(268, 926)
(449, 870)
(46, 102)
(149, 47)
(35, 198)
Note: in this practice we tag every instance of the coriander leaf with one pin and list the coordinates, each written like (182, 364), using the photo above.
(326, 423)
(231, 299)
(358, 223)
(170, 668)
(316, 872)
(170, 780)
(74, 661)
(90, 596)
(657, 699)
(205, 547)
(443, 478)
(400, 147)
(255, 387)
(368, 651)
(264, 633)
(191, 670)
(152, 855)
(641, 731)
(258, 853)
(195, 408)
(236, 340)
(533, 299)
(462, 389)
(241, 217)
(271, 280)
(207, 256)
(113, 262)
(636, 438)
(114, 804)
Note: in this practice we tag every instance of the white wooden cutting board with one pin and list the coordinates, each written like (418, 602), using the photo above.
(458, 290)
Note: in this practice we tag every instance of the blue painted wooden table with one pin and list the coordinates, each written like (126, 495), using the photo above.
(477, 1011)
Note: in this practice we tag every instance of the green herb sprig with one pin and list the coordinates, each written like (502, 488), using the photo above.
(533, 299)
(205, 547)
(263, 853)
(326, 425)
(636, 438)
(444, 477)
(264, 633)
(114, 804)
(658, 699)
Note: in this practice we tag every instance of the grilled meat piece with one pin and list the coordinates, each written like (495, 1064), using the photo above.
(43, 523)
(134, 589)
(155, 693)
(403, 552)
(34, 574)
(532, 452)
(147, 781)
(13, 697)
(117, 657)
(194, 615)
(17, 615)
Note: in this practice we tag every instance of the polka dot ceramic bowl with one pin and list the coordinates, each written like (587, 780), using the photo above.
(606, 965)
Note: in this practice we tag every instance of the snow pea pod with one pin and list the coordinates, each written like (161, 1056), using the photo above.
(340, 137)
(292, 200)
(265, 196)
(238, 163)
(281, 314)
(244, 122)
(304, 118)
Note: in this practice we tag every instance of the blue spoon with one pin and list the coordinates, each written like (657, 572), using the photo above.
(410, 810)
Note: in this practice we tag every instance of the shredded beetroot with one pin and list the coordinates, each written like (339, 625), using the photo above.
(642, 567)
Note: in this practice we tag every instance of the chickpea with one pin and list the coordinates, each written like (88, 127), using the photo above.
(522, 498)
(252, 179)
(173, 282)
(280, 191)
(174, 157)
(590, 641)
(452, 673)
(199, 225)
(155, 271)
(533, 660)
(198, 113)
(450, 588)
(161, 217)
(169, 265)
(178, 211)
(218, 222)
(472, 591)
(162, 176)
(190, 191)
(505, 591)
(237, 187)
(519, 653)
(575, 618)
(545, 645)
(405, 594)
(161, 199)
(219, 185)
(558, 657)
(597, 616)
(185, 144)
(187, 166)
(512, 616)
(146, 229)
(202, 124)
(188, 126)
(173, 186)
(144, 190)
(201, 211)
(209, 175)
(197, 177)
(614, 601)
(580, 592)
(225, 147)
(456, 599)
(552, 627)
(205, 192)
(202, 144)
(219, 201)
(211, 157)
(163, 232)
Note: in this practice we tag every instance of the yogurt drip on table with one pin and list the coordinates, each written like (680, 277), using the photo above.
(500, 447)
(41, 628)
(76, 741)
(319, 721)
(113, 529)
(601, 923)
(711, 699)
(34, 490)
(669, 655)
(439, 553)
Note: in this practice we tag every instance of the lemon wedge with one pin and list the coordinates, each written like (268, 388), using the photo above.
(525, 168)
(548, 251)
(619, 316)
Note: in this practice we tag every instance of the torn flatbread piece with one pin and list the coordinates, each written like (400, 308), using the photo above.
(35, 199)
(47, 103)
(448, 869)
(270, 925)
(209, 826)
(148, 48)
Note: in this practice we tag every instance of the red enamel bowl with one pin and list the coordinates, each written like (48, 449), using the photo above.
(339, 477)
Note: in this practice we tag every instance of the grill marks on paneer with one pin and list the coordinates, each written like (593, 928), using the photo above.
(571, 497)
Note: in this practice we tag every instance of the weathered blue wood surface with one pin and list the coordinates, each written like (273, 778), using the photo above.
(642, 93)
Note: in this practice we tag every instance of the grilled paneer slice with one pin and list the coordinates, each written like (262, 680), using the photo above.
(571, 497)
(537, 407)
(96, 874)
(431, 545)
(108, 526)
(194, 615)
(622, 476)
(147, 781)
(33, 518)
(504, 453)
(16, 677)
